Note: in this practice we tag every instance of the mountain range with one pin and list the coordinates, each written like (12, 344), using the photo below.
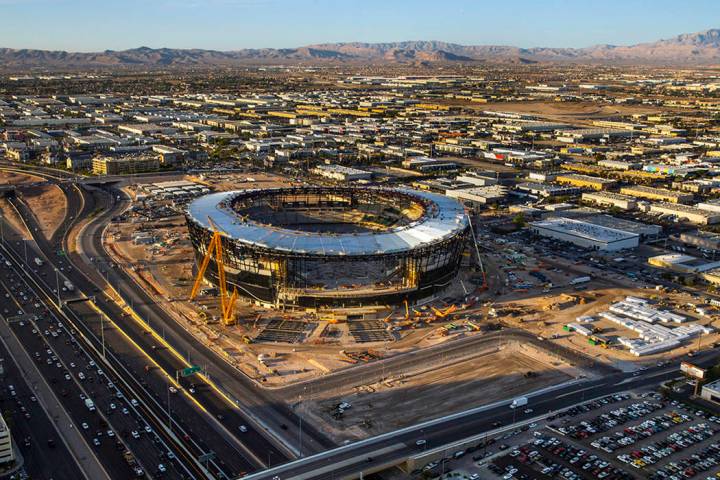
(701, 48)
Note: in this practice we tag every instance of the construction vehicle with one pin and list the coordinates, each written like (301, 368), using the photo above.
(444, 313)
(227, 304)
(247, 339)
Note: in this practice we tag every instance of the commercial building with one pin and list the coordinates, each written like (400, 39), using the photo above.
(711, 391)
(700, 239)
(681, 263)
(428, 165)
(546, 190)
(584, 234)
(660, 194)
(619, 165)
(125, 165)
(6, 449)
(691, 214)
(341, 172)
(479, 195)
(585, 181)
(611, 199)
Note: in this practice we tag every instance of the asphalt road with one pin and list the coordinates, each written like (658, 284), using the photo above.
(33, 429)
(360, 456)
(189, 422)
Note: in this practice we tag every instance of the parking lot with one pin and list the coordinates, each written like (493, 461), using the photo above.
(618, 437)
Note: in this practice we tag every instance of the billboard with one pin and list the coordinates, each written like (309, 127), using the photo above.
(692, 370)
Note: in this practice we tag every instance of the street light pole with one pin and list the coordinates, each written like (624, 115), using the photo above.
(102, 332)
(57, 286)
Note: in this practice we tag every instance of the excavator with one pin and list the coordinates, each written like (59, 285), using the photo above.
(227, 303)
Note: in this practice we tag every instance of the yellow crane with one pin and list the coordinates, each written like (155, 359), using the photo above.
(227, 303)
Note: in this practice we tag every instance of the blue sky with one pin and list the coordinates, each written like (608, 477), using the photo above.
(93, 25)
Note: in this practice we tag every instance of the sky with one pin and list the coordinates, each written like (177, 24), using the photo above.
(95, 25)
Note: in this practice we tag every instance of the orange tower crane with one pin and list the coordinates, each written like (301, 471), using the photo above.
(227, 303)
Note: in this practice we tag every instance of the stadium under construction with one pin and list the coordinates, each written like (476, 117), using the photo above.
(328, 246)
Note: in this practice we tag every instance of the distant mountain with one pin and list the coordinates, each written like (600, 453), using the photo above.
(687, 49)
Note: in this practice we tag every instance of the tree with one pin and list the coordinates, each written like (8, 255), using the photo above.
(519, 220)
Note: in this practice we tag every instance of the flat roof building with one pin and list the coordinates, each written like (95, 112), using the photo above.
(611, 199)
(660, 194)
(479, 195)
(585, 234)
(585, 181)
(341, 172)
(691, 214)
(125, 165)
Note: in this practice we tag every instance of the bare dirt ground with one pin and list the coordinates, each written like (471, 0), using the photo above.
(566, 110)
(432, 393)
(49, 206)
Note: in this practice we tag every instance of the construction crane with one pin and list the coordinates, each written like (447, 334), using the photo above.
(227, 303)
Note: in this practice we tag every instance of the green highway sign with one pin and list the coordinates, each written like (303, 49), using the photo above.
(186, 372)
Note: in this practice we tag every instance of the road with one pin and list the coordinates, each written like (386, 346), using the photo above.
(24, 409)
(361, 456)
(190, 432)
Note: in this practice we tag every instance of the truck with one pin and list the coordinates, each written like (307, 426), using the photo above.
(579, 280)
(38, 262)
(70, 287)
(90, 404)
(519, 402)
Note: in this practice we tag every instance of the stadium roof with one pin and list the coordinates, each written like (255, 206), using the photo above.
(438, 224)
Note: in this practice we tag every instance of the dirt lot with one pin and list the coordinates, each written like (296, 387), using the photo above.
(48, 204)
(566, 110)
(431, 393)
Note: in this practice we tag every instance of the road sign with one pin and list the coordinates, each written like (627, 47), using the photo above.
(206, 457)
(186, 372)
(692, 370)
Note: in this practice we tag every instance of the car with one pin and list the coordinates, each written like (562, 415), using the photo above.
(125, 411)
(110, 433)
(148, 429)
(161, 468)
(84, 426)
(112, 406)
(170, 455)
(96, 442)
(420, 442)
(135, 434)
(134, 402)
(243, 429)
(67, 376)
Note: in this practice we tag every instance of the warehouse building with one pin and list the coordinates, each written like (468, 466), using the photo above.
(585, 181)
(545, 190)
(479, 195)
(699, 239)
(619, 165)
(711, 391)
(681, 263)
(660, 194)
(341, 172)
(611, 199)
(585, 234)
(691, 214)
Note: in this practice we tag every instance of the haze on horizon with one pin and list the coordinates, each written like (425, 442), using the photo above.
(90, 25)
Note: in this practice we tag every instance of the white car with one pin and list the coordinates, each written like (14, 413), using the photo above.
(243, 428)
(85, 426)
(135, 434)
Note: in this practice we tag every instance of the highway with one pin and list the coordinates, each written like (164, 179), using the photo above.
(190, 432)
(44, 453)
(367, 455)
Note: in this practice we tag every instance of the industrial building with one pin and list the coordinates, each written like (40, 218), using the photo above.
(691, 214)
(681, 263)
(711, 391)
(6, 448)
(611, 199)
(317, 247)
(429, 165)
(546, 190)
(585, 181)
(659, 194)
(341, 172)
(700, 239)
(584, 234)
(479, 195)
